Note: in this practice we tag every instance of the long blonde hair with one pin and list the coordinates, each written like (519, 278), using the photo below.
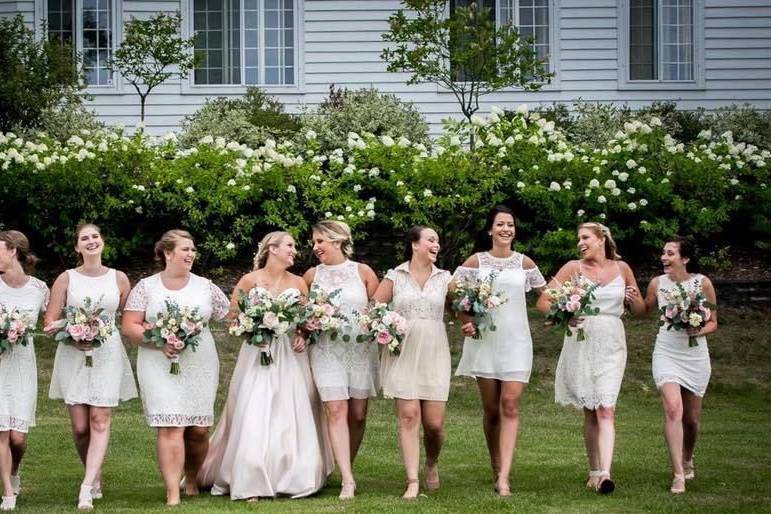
(336, 231)
(271, 239)
(603, 232)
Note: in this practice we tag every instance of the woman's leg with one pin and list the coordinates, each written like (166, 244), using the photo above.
(357, 423)
(80, 420)
(408, 413)
(196, 447)
(673, 424)
(6, 462)
(490, 392)
(691, 422)
(337, 422)
(171, 460)
(511, 392)
(100, 421)
(432, 417)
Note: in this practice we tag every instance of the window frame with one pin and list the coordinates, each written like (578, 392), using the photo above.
(625, 83)
(189, 87)
(554, 47)
(41, 15)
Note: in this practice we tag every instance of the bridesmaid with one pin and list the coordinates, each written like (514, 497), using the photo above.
(419, 377)
(18, 370)
(180, 407)
(269, 440)
(681, 372)
(90, 393)
(501, 361)
(589, 372)
(345, 373)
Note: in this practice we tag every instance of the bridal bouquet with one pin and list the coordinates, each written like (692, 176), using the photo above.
(572, 300)
(474, 296)
(177, 326)
(321, 315)
(684, 310)
(15, 328)
(86, 324)
(380, 323)
(264, 317)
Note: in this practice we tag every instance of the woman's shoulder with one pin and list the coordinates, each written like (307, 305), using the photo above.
(38, 285)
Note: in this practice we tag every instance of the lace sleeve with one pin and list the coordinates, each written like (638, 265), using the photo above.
(137, 298)
(44, 292)
(534, 279)
(465, 274)
(219, 302)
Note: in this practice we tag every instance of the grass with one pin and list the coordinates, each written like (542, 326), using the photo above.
(733, 454)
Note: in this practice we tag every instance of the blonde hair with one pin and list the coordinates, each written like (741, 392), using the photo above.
(603, 232)
(15, 240)
(271, 239)
(168, 242)
(337, 232)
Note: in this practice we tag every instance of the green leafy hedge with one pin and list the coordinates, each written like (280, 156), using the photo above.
(644, 184)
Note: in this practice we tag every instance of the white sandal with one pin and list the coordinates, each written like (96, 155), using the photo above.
(689, 469)
(678, 484)
(605, 485)
(594, 476)
(9, 503)
(85, 500)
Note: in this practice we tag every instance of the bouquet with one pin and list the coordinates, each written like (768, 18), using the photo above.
(684, 310)
(87, 324)
(572, 300)
(177, 326)
(321, 315)
(15, 328)
(264, 317)
(474, 296)
(383, 325)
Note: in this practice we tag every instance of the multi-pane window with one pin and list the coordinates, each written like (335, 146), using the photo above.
(88, 26)
(245, 41)
(661, 42)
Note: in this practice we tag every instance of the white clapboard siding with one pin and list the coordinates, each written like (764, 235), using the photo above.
(342, 42)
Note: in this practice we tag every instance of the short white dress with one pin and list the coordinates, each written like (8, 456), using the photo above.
(675, 361)
(507, 353)
(343, 370)
(422, 369)
(270, 439)
(589, 372)
(186, 399)
(18, 368)
(110, 380)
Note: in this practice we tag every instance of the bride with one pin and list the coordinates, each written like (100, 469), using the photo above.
(269, 440)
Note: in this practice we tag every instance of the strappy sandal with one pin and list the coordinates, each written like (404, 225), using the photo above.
(689, 470)
(678, 484)
(431, 485)
(606, 485)
(504, 491)
(594, 479)
(9, 503)
(347, 490)
(417, 492)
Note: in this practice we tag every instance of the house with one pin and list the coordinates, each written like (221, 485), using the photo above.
(701, 53)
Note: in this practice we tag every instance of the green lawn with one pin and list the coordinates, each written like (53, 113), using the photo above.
(733, 455)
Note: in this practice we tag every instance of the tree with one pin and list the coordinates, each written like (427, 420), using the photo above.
(465, 51)
(36, 75)
(148, 49)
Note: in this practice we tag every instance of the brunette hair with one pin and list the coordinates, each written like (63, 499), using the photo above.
(603, 232)
(336, 231)
(78, 230)
(168, 242)
(413, 236)
(484, 239)
(271, 239)
(15, 240)
(686, 247)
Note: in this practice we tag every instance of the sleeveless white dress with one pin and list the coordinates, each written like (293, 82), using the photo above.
(422, 369)
(186, 399)
(507, 353)
(18, 368)
(343, 370)
(589, 372)
(110, 380)
(675, 361)
(270, 439)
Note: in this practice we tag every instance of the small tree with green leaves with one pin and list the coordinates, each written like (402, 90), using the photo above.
(462, 50)
(148, 51)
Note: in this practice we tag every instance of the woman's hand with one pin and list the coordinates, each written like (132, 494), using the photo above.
(298, 343)
(694, 331)
(169, 351)
(576, 322)
(55, 326)
(631, 294)
(469, 329)
(83, 346)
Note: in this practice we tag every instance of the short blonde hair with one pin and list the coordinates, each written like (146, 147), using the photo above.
(271, 239)
(168, 242)
(337, 232)
(601, 231)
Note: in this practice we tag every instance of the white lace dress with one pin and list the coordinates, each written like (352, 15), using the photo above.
(343, 370)
(18, 368)
(186, 399)
(506, 353)
(270, 439)
(110, 380)
(675, 361)
(422, 369)
(589, 372)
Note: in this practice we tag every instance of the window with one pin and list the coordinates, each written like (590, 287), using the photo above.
(245, 42)
(530, 17)
(88, 25)
(661, 40)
